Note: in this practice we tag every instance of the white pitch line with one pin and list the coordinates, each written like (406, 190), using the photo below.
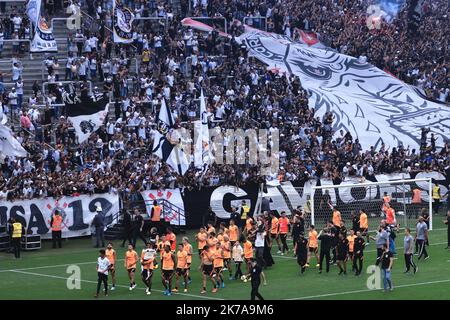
(288, 257)
(53, 266)
(368, 290)
(91, 262)
(122, 286)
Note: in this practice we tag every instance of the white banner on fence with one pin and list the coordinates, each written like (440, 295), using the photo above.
(77, 212)
(225, 197)
(171, 195)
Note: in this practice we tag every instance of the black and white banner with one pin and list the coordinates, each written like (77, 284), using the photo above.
(123, 23)
(43, 39)
(372, 105)
(77, 213)
(86, 116)
(167, 144)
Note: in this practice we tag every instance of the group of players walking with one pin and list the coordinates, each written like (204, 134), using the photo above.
(244, 246)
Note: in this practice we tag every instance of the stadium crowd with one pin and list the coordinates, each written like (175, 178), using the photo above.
(173, 62)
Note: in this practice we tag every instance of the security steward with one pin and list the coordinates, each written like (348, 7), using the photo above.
(56, 225)
(436, 195)
(245, 209)
(17, 231)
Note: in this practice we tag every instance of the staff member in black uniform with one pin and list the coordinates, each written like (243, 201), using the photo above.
(255, 273)
(127, 228)
(447, 222)
(301, 251)
(355, 222)
(326, 239)
(342, 253)
(358, 253)
(138, 225)
(296, 230)
(334, 230)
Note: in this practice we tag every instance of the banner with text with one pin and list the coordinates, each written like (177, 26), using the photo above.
(77, 212)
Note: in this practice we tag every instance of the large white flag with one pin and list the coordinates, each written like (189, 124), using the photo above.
(43, 39)
(167, 144)
(9, 146)
(202, 153)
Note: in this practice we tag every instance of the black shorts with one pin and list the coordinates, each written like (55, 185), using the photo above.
(363, 231)
(147, 274)
(181, 272)
(274, 235)
(341, 257)
(167, 273)
(112, 268)
(218, 270)
(188, 266)
(207, 269)
(131, 270)
(313, 250)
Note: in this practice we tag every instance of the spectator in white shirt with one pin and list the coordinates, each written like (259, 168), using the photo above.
(19, 90)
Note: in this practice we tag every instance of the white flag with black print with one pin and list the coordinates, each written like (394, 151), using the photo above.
(202, 153)
(123, 23)
(43, 39)
(86, 116)
(167, 143)
(9, 146)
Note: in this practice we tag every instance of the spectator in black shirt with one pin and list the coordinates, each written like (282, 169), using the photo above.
(326, 240)
(342, 252)
(358, 253)
(301, 251)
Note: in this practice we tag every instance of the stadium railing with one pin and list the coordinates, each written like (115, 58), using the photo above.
(46, 83)
(257, 18)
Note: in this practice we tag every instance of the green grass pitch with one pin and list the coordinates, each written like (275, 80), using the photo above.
(43, 275)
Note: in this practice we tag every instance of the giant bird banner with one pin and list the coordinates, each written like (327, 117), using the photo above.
(371, 104)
